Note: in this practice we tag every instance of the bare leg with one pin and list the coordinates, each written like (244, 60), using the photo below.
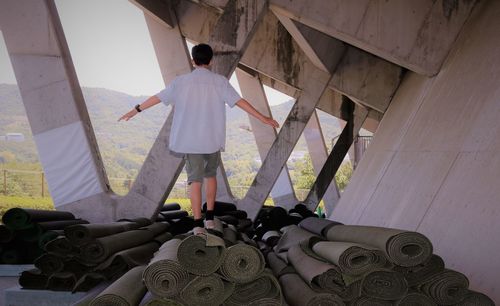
(195, 196)
(211, 190)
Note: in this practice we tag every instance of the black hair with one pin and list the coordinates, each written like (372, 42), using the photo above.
(202, 54)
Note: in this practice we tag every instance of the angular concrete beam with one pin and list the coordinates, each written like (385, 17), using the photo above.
(251, 88)
(414, 34)
(55, 107)
(160, 7)
(354, 115)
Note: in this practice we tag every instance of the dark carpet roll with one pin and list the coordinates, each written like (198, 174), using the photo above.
(205, 290)
(298, 293)
(317, 226)
(238, 214)
(265, 289)
(403, 248)
(416, 299)
(385, 285)
(171, 206)
(76, 267)
(29, 233)
(60, 224)
(49, 263)
(119, 263)
(317, 274)
(61, 281)
(352, 258)
(80, 234)
(370, 301)
(448, 287)
(229, 219)
(62, 247)
(244, 224)
(230, 235)
(265, 302)
(157, 301)
(33, 279)
(139, 221)
(11, 256)
(271, 238)
(181, 226)
(173, 214)
(197, 256)
(293, 235)
(6, 234)
(19, 218)
(220, 207)
(127, 290)
(350, 292)
(48, 236)
(303, 211)
(242, 263)
(88, 281)
(473, 298)
(164, 275)
(419, 274)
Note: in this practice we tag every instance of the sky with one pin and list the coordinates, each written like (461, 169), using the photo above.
(111, 48)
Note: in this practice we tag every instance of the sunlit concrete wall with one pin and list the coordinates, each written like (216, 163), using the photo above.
(434, 164)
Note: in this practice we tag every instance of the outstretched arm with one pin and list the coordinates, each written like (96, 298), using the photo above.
(247, 107)
(153, 100)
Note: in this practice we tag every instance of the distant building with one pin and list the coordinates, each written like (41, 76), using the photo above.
(16, 137)
(2, 138)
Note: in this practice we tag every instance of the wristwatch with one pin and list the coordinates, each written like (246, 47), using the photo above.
(138, 108)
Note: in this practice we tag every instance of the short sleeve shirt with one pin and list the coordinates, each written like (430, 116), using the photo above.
(199, 99)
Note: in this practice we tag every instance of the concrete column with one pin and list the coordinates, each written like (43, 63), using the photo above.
(55, 107)
(354, 116)
(252, 90)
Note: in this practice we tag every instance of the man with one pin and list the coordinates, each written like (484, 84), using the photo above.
(199, 125)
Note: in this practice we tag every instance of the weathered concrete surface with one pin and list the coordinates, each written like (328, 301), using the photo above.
(54, 102)
(414, 34)
(251, 89)
(434, 162)
(160, 7)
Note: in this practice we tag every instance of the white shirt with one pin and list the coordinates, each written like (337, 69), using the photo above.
(199, 98)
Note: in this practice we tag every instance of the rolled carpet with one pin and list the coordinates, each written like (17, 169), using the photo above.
(271, 238)
(6, 234)
(181, 226)
(156, 301)
(76, 267)
(243, 224)
(33, 279)
(128, 290)
(416, 299)
(278, 266)
(164, 276)
(229, 219)
(197, 258)
(19, 218)
(448, 287)
(318, 226)
(119, 263)
(238, 214)
(84, 233)
(421, 273)
(61, 247)
(205, 290)
(30, 233)
(384, 285)
(61, 281)
(49, 263)
(220, 207)
(293, 235)
(317, 274)
(48, 236)
(88, 281)
(171, 206)
(263, 288)
(173, 214)
(218, 228)
(242, 263)
(473, 298)
(141, 221)
(298, 293)
(59, 224)
(230, 235)
(351, 258)
(266, 302)
(403, 248)
(369, 301)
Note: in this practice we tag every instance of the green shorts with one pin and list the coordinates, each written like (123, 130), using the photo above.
(199, 166)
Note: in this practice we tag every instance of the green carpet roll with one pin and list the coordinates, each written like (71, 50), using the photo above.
(447, 287)
(61, 247)
(416, 299)
(49, 263)
(473, 298)
(84, 233)
(59, 224)
(128, 290)
(164, 276)
(298, 293)
(201, 255)
(242, 263)
(61, 281)
(403, 248)
(421, 273)
(19, 218)
(48, 236)
(264, 289)
(205, 290)
(384, 284)
(369, 301)
(33, 279)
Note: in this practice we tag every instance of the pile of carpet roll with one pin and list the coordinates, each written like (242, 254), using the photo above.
(323, 262)
(217, 268)
(24, 232)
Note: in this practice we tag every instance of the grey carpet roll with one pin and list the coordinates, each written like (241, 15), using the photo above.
(266, 302)
(230, 236)
(174, 214)
(218, 229)
(49, 263)
(277, 265)
(62, 247)
(318, 226)
(292, 236)
(60, 224)
(33, 279)
(77, 268)
(242, 263)
(473, 298)
(384, 284)
(156, 301)
(351, 258)
(448, 287)
(171, 206)
(205, 290)
(369, 301)
(164, 276)
(421, 273)
(61, 281)
(141, 221)
(416, 299)
(88, 281)
(403, 248)
(265, 289)
(298, 293)
(128, 290)
(119, 263)
(350, 292)
(101, 248)
(197, 256)
(84, 233)
(316, 273)
(271, 238)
